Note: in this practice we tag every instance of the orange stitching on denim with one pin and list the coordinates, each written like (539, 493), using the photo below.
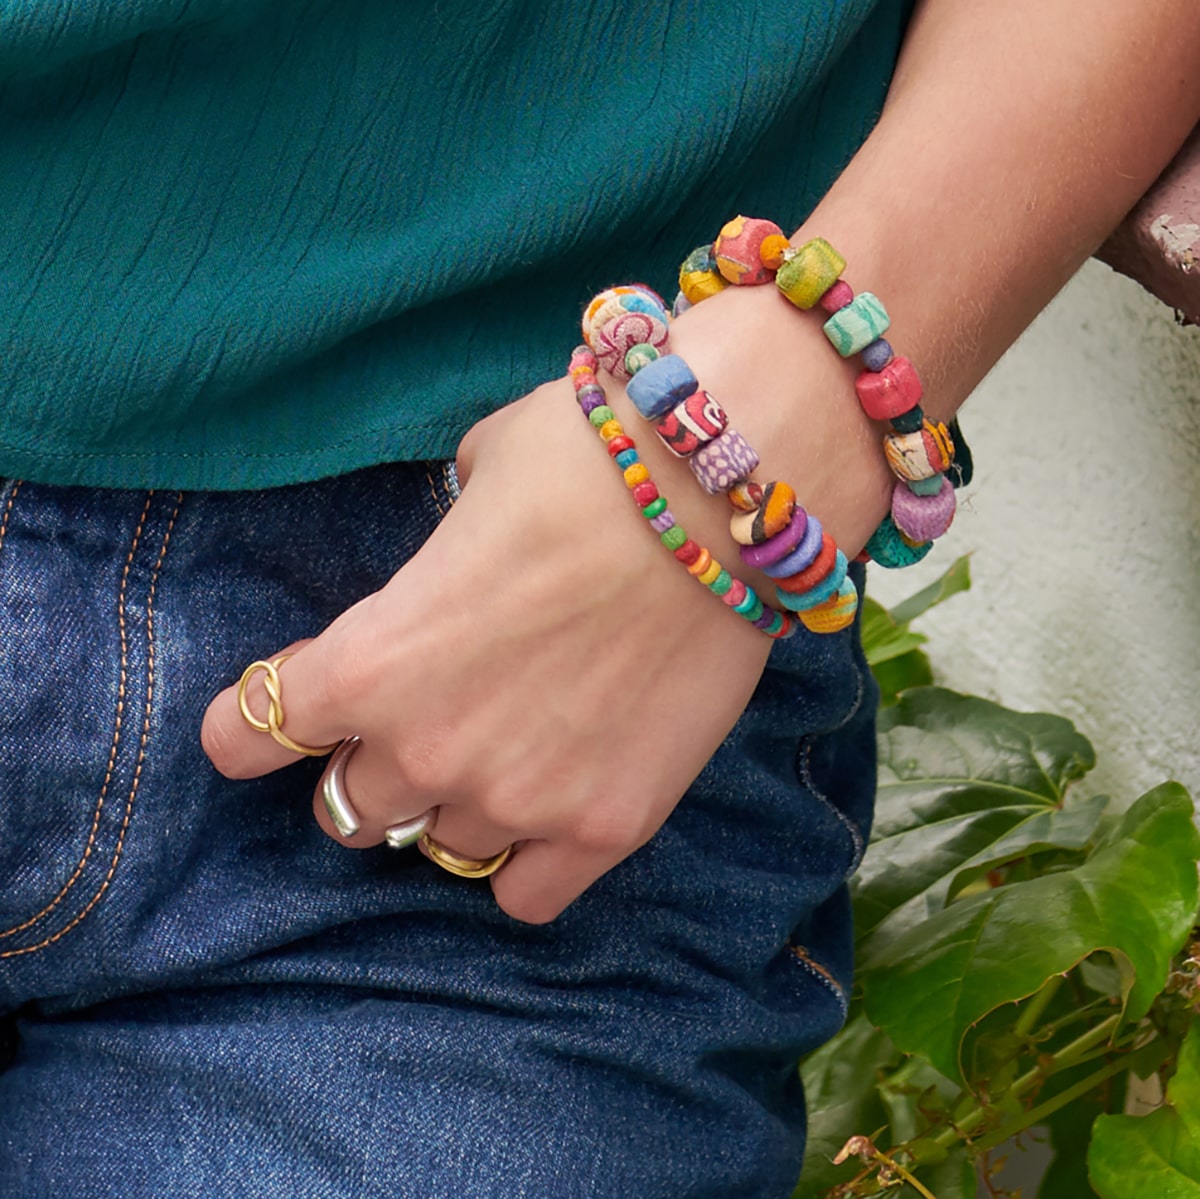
(116, 737)
(433, 491)
(805, 959)
(12, 497)
(137, 772)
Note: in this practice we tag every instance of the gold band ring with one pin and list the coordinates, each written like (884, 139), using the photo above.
(274, 721)
(447, 859)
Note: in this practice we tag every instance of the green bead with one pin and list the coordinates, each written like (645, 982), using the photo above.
(640, 355)
(654, 508)
(674, 537)
(929, 486)
(853, 328)
(601, 415)
(722, 583)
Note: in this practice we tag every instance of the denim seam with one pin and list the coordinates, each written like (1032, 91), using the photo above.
(801, 955)
(12, 499)
(122, 679)
(119, 849)
(433, 495)
(804, 765)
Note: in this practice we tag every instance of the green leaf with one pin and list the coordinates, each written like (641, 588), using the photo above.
(1155, 1156)
(882, 638)
(1143, 1157)
(842, 1097)
(902, 674)
(1134, 898)
(962, 783)
(956, 579)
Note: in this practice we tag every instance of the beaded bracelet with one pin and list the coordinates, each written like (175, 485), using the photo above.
(626, 328)
(750, 251)
(700, 563)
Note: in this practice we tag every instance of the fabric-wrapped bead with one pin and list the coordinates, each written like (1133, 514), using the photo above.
(923, 517)
(613, 340)
(910, 421)
(929, 486)
(737, 250)
(890, 550)
(639, 356)
(773, 515)
(919, 455)
(887, 393)
(775, 548)
(692, 424)
(835, 614)
(802, 555)
(698, 276)
(854, 327)
(878, 354)
(837, 297)
(818, 594)
(810, 272)
(614, 301)
(681, 305)
(657, 388)
(745, 496)
(815, 571)
(724, 461)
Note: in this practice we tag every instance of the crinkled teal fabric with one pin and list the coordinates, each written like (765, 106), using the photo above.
(251, 242)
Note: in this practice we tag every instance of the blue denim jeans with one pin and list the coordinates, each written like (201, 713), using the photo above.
(201, 995)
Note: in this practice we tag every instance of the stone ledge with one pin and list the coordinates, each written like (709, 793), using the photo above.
(1158, 243)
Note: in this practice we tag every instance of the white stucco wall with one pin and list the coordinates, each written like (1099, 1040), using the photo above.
(1084, 526)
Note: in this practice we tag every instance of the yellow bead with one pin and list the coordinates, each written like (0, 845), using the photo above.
(701, 285)
(810, 272)
(708, 576)
(635, 474)
(611, 429)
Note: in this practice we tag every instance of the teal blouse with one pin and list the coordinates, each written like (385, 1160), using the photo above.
(253, 242)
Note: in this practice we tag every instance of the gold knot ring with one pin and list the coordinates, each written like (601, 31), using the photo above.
(447, 859)
(274, 721)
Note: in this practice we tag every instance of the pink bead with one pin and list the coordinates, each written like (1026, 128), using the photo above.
(837, 297)
(616, 338)
(737, 247)
(691, 424)
(890, 392)
(923, 517)
(735, 594)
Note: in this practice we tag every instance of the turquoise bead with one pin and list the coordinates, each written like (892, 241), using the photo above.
(827, 588)
(930, 486)
(626, 458)
(888, 548)
(747, 604)
(853, 328)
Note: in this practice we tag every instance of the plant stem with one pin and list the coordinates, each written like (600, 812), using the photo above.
(1038, 1004)
(1037, 1114)
(1067, 1056)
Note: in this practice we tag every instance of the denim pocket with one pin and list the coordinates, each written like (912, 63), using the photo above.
(77, 583)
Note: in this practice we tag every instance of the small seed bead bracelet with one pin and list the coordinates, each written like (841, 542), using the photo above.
(921, 453)
(626, 328)
(700, 563)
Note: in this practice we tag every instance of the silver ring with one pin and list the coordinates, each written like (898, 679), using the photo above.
(333, 789)
(342, 812)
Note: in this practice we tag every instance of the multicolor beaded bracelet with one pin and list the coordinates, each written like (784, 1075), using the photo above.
(699, 562)
(920, 452)
(775, 533)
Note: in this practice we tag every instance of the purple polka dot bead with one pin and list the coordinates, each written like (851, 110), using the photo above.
(724, 461)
